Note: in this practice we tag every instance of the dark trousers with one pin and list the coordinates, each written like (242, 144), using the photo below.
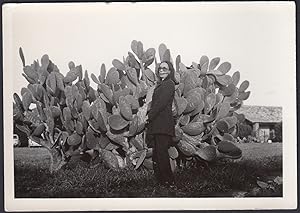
(160, 157)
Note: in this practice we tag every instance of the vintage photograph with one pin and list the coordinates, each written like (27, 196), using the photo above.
(160, 101)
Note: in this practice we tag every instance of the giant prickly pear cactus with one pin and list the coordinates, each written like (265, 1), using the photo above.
(67, 116)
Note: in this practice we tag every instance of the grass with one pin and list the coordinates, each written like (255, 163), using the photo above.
(219, 179)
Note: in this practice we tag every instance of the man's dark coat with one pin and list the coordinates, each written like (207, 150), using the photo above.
(160, 116)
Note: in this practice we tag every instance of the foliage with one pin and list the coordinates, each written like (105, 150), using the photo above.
(278, 132)
(244, 130)
(22, 136)
(252, 139)
(248, 139)
(109, 122)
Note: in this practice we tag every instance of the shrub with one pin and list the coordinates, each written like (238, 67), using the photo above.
(71, 118)
(22, 137)
(252, 139)
(244, 130)
(278, 132)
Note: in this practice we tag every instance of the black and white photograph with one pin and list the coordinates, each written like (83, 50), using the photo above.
(149, 106)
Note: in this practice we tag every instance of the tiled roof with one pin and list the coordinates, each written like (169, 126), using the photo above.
(261, 114)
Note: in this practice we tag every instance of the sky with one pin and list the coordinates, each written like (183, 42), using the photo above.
(256, 38)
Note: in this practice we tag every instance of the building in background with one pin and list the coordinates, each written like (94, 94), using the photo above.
(264, 121)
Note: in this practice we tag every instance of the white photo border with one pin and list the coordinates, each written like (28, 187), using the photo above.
(288, 201)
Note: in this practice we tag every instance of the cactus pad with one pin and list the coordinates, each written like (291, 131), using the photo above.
(116, 122)
(208, 153)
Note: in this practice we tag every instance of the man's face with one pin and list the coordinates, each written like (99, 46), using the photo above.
(163, 70)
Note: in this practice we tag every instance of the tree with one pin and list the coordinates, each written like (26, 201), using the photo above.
(244, 130)
(278, 132)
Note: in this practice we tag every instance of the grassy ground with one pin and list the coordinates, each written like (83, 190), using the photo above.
(260, 162)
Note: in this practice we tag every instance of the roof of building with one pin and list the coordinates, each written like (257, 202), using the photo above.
(261, 114)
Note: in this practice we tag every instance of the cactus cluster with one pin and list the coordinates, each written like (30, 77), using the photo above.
(69, 117)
